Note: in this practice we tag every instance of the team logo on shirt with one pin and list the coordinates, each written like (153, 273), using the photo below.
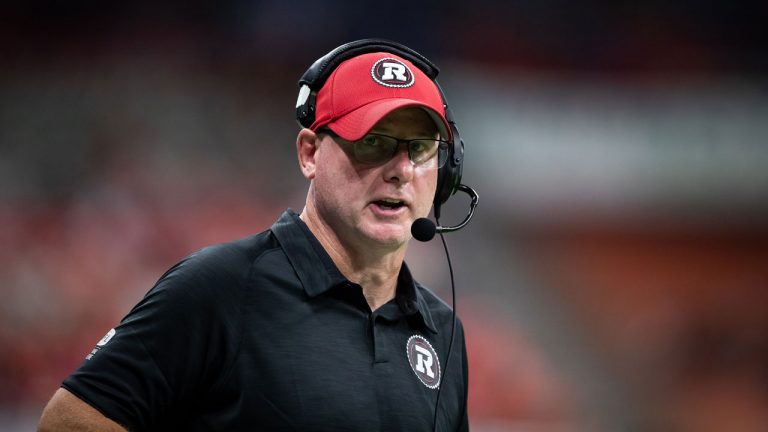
(423, 360)
(391, 72)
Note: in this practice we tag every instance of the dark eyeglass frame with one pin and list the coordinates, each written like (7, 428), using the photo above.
(358, 149)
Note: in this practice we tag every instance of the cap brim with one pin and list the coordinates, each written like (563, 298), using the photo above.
(355, 124)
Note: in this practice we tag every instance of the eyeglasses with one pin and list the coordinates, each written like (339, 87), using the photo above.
(376, 149)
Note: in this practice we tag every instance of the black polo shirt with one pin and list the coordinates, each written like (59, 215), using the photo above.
(265, 333)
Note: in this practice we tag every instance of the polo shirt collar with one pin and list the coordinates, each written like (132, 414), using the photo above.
(409, 298)
(306, 255)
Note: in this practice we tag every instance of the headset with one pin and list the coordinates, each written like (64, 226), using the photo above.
(449, 176)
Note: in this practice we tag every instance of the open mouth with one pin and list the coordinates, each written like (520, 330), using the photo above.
(389, 204)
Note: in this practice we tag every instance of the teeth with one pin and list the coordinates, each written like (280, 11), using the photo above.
(391, 203)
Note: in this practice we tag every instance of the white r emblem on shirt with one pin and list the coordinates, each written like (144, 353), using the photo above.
(424, 361)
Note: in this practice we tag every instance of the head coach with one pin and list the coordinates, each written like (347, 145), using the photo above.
(315, 324)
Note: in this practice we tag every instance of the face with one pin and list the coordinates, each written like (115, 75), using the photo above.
(375, 204)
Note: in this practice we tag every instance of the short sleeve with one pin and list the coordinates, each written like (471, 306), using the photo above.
(171, 347)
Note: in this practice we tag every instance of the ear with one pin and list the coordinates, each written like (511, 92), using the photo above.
(306, 150)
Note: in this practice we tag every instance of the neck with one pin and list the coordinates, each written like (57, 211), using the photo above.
(373, 267)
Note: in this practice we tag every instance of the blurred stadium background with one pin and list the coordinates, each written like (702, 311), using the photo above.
(614, 278)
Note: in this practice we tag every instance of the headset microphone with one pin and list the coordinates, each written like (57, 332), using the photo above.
(424, 229)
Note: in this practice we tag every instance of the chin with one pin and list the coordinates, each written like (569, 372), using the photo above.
(390, 235)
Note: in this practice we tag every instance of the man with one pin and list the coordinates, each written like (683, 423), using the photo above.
(315, 324)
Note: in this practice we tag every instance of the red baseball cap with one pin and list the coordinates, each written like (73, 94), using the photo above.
(364, 89)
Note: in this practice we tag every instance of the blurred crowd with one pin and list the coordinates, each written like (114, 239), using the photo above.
(614, 278)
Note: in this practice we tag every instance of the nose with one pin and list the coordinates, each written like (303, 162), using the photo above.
(399, 169)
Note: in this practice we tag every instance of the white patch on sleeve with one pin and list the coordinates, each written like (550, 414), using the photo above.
(106, 338)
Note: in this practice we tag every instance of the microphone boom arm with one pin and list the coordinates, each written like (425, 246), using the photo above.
(472, 205)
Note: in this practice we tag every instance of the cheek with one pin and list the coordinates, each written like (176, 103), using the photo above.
(430, 179)
(427, 183)
(335, 180)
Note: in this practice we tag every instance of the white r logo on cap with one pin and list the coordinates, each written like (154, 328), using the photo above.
(391, 72)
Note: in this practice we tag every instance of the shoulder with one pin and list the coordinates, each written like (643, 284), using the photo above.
(225, 262)
(228, 260)
(215, 276)
(203, 294)
(441, 312)
(436, 304)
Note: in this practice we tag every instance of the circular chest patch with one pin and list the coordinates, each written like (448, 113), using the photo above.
(391, 72)
(423, 360)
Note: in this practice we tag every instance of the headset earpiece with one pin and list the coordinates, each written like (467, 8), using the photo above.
(449, 176)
